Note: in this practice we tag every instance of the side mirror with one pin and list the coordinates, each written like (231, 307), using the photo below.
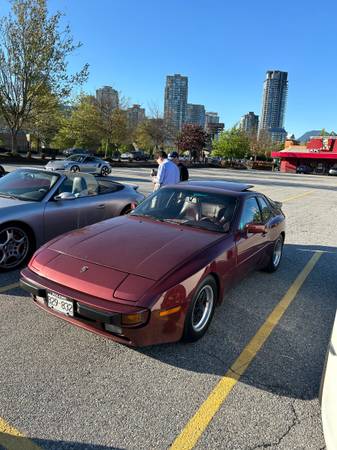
(255, 229)
(65, 196)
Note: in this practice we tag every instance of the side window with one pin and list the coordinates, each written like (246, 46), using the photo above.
(265, 210)
(250, 213)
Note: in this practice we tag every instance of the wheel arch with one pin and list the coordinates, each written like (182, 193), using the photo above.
(216, 278)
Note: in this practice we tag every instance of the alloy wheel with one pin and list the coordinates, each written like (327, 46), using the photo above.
(277, 252)
(104, 171)
(202, 309)
(14, 247)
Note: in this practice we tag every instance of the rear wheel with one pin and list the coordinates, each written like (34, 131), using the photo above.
(16, 246)
(74, 169)
(105, 171)
(276, 256)
(201, 310)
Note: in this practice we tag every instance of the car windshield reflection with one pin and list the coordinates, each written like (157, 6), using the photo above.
(204, 210)
(27, 184)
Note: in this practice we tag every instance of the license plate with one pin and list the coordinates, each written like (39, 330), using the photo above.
(60, 304)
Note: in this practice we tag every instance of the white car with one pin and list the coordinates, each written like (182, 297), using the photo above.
(328, 392)
(333, 170)
(81, 163)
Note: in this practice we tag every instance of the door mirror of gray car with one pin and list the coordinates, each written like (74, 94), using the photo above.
(65, 196)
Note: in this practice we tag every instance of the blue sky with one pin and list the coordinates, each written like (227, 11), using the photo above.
(223, 47)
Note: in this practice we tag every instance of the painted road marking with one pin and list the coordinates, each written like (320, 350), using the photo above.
(12, 439)
(9, 287)
(294, 197)
(196, 426)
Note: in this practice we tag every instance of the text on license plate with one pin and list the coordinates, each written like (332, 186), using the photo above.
(60, 304)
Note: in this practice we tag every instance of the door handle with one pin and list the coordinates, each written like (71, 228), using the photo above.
(101, 206)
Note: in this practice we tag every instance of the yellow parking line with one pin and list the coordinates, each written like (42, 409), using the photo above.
(12, 439)
(9, 287)
(294, 197)
(194, 429)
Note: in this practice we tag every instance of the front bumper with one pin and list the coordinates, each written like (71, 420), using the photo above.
(94, 314)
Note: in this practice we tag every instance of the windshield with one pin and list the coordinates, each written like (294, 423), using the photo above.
(27, 184)
(213, 212)
(75, 158)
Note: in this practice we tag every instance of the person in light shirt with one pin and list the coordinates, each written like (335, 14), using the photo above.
(168, 172)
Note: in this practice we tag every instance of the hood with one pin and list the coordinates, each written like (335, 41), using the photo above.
(134, 245)
(10, 203)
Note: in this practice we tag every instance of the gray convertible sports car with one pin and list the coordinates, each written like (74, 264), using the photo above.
(81, 163)
(37, 205)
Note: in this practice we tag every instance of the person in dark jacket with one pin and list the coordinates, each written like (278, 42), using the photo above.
(174, 157)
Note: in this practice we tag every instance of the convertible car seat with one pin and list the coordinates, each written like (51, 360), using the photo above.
(79, 187)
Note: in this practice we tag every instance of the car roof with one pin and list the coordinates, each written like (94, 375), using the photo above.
(218, 184)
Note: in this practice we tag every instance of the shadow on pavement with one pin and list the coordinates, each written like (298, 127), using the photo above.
(291, 361)
(11, 442)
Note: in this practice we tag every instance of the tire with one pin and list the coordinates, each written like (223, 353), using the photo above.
(105, 171)
(16, 246)
(74, 169)
(195, 326)
(276, 256)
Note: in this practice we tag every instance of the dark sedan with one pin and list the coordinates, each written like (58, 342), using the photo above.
(156, 275)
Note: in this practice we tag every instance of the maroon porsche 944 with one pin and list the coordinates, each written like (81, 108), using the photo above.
(157, 274)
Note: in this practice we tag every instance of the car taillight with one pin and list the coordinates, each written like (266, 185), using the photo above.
(135, 319)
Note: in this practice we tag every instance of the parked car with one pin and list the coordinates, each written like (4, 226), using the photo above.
(156, 275)
(81, 163)
(333, 170)
(36, 205)
(76, 151)
(135, 156)
(328, 392)
(304, 169)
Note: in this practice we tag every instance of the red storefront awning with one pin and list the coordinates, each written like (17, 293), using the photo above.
(305, 155)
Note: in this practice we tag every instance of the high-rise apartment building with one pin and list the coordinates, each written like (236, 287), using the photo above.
(275, 92)
(249, 123)
(212, 125)
(195, 115)
(175, 101)
(107, 97)
(135, 115)
(211, 117)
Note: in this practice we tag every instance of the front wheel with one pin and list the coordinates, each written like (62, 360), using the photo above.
(74, 169)
(276, 256)
(15, 247)
(201, 310)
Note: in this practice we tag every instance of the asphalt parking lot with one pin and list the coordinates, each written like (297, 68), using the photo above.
(64, 388)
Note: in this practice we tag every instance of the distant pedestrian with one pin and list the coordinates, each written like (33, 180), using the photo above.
(182, 168)
(168, 172)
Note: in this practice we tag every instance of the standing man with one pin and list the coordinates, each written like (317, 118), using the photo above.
(168, 172)
(182, 168)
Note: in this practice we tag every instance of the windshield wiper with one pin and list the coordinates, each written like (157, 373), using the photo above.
(147, 215)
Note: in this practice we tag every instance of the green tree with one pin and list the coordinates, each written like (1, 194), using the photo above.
(82, 128)
(45, 122)
(231, 143)
(151, 134)
(33, 56)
